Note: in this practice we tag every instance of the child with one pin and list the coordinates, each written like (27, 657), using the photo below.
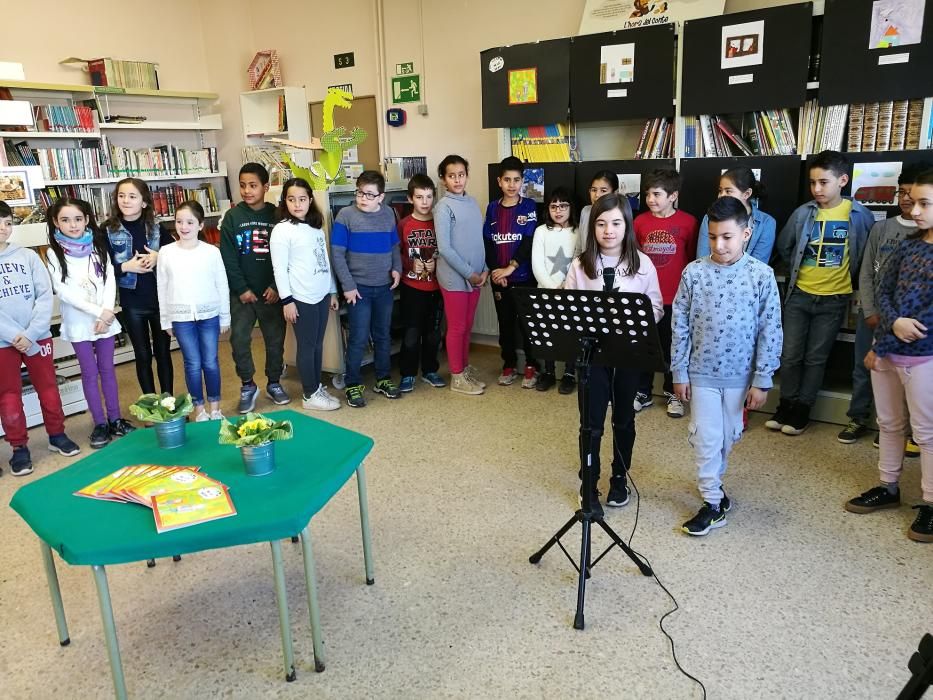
(82, 276)
(461, 269)
(669, 237)
(610, 244)
(194, 306)
(244, 246)
(305, 280)
(727, 305)
(742, 184)
(421, 296)
(508, 232)
(822, 243)
(135, 239)
(883, 238)
(25, 339)
(364, 249)
(901, 363)
(551, 254)
(603, 182)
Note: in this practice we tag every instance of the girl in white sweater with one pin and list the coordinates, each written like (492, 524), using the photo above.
(194, 306)
(82, 277)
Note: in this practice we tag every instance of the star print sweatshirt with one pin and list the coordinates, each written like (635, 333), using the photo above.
(726, 325)
(551, 254)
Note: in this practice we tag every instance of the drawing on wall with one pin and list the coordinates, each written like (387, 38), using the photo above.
(523, 86)
(533, 184)
(742, 45)
(617, 64)
(876, 183)
(895, 23)
(630, 186)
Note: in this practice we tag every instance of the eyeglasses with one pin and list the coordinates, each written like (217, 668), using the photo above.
(562, 206)
(369, 196)
(903, 193)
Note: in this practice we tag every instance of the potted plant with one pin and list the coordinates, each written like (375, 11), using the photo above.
(167, 413)
(255, 435)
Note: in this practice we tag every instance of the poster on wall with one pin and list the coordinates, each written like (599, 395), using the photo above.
(607, 15)
(617, 64)
(630, 186)
(523, 86)
(15, 189)
(533, 184)
(742, 45)
(876, 183)
(895, 23)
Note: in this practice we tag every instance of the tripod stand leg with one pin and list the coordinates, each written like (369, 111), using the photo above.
(536, 557)
(584, 572)
(642, 566)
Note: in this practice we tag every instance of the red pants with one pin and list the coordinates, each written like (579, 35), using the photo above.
(41, 370)
(460, 309)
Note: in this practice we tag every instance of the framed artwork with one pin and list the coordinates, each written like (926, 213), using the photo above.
(15, 189)
(523, 86)
(264, 71)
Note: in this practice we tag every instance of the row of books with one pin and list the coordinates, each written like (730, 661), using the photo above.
(657, 139)
(821, 128)
(98, 197)
(766, 133)
(886, 126)
(403, 168)
(68, 118)
(164, 159)
(165, 199)
(541, 144)
(111, 72)
(70, 163)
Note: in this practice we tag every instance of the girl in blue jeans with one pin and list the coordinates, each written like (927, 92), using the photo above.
(194, 306)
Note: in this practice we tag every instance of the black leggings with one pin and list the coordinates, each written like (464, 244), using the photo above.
(139, 323)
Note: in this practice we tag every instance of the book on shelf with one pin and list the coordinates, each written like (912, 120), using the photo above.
(111, 72)
(162, 159)
(824, 127)
(541, 144)
(657, 139)
(890, 126)
(85, 163)
(65, 118)
(765, 133)
(166, 199)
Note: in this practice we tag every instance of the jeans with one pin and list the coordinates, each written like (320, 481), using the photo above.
(664, 334)
(370, 315)
(41, 370)
(860, 403)
(460, 309)
(139, 324)
(95, 357)
(309, 342)
(272, 325)
(421, 317)
(715, 426)
(509, 330)
(811, 324)
(198, 342)
(617, 386)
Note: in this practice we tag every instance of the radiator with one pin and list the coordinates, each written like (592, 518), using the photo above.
(486, 322)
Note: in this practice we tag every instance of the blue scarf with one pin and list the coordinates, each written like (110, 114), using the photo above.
(76, 247)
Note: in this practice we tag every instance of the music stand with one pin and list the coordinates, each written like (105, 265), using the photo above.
(610, 329)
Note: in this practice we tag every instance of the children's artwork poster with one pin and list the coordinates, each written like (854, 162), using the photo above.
(895, 23)
(742, 45)
(630, 186)
(15, 189)
(523, 86)
(606, 15)
(533, 184)
(617, 64)
(876, 183)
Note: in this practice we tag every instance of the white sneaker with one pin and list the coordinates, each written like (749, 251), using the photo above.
(675, 407)
(470, 373)
(217, 415)
(461, 384)
(320, 400)
(202, 416)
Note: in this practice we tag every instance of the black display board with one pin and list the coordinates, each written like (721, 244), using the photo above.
(526, 84)
(780, 177)
(766, 66)
(904, 157)
(643, 58)
(851, 72)
(555, 175)
(585, 172)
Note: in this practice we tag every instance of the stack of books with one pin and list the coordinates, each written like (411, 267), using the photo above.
(821, 128)
(164, 159)
(165, 199)
(110, 72)
(65, 118)
(657, 139)
(541, 144)
(766, 133)
(889, 126)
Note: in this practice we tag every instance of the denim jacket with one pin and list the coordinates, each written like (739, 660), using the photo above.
(121, 249)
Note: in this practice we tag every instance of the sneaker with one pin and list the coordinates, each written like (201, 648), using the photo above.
(435, 380)
(567, 384)
(852, 432)
(247, 398)
(725, 504)
(320, 400)
(63, 445)
(462, 384)
(121, 427)
(473, 375)
(675, 407)
(797, 420)
(597, 508)
(217, 415)
(387, 387)
(874, 499)
(355, 398)
(407, 385)
(618, 493)
(777, 421)
(202, 416)
(545, 381)
(276, 392)
(100, 436)
(530, 380)
(508, 376)
(642, 400)
(922, 528)
(912, 449)
(21, 461)
(706, 519)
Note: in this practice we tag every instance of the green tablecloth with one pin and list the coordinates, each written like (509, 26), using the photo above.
(311, 468)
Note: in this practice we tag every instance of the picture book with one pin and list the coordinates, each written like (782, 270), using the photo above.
(179, 509)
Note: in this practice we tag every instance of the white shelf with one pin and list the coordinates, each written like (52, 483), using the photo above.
(73, 135)
(206, 123)
(148, 178)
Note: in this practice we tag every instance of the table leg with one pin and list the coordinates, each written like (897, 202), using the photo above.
(364, 524)
(110, 631)
(315, 611)
(56, 592)
(282, 600)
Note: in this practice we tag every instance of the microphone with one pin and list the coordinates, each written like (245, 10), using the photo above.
(609, 276)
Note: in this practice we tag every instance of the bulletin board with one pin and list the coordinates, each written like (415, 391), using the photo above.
(526, 84)
(623, 75)
(747, 61)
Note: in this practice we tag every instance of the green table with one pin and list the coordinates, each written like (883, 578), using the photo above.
(311, 468)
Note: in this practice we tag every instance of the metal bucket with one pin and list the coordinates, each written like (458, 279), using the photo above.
(259, 460)
(171, 434)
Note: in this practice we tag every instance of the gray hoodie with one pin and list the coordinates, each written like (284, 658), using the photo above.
(25, 297)
(458, 222)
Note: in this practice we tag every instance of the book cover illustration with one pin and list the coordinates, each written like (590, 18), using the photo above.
(875, 184)
(191, 507)
(523, 86)
(533, 184)
(895, 23)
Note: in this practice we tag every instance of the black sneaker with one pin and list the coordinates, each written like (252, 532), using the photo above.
(121, 427)
(777, 421)
(545, 381)
(387, 387)
(708, 518)
(725, 504)
(247, 397)
(21, 462)
(355, 398)
(567, 384)
(63, 445)
(797, 420)
(642, 400)
(618, 493)
(852, 432)
(874, 499)
(276, 392)
(100, 436)
(922, 528)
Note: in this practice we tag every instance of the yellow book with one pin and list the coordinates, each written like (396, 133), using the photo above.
(191, 507)
(177, 480)
(94, 490)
